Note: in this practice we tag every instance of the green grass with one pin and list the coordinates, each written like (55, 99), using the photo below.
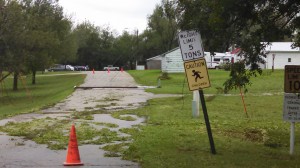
(172, 138)
(268, 82)
(47, 91)
(55, 133)
(115, 150)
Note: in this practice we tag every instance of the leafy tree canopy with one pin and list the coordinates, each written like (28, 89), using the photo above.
(249, 25)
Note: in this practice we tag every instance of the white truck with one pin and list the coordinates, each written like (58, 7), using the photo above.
(111, 68)
(216, 61)
(213, 65)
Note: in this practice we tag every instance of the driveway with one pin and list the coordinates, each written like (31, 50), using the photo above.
(101, 91)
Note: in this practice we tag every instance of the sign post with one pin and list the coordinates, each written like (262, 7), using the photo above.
(291, 113)
(291, 105)
(292, 138)
(196, 71)
(209, 133)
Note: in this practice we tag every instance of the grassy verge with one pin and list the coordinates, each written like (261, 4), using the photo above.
(268, 82)
(172, 138)
(49, 89)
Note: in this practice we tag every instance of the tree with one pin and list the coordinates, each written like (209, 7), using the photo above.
(46, 29)
(242, 24)
(107, 53)
(12, 36)
(125, 45)
(38, 33)
(162, 30)
(89, 42)
(2, 42)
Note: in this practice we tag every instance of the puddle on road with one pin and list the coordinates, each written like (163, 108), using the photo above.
(32, 116)
(107, 118)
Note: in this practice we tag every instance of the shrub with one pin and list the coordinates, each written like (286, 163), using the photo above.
(164, 76)
(225, 66)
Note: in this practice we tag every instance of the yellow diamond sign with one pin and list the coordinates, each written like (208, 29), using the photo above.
(197, 74)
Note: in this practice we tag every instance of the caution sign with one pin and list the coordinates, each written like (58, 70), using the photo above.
(292, 79)
(197, 74)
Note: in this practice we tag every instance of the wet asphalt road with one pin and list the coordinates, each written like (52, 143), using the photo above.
(30, 154)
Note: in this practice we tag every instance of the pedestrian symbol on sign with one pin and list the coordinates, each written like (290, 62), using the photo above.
(196, 74)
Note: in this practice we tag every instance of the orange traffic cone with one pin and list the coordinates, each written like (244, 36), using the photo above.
(73, 158)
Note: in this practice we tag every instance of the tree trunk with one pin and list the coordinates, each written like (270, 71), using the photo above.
(33, 77)
(131, 65)
(15, 84)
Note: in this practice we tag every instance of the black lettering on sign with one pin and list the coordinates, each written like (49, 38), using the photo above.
(294, 85)
(194, 65)
(293, 76)
(189, 40)
(193, 54)
(293, 70)
(188, 34)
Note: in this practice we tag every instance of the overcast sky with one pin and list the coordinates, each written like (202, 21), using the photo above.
(118, 14)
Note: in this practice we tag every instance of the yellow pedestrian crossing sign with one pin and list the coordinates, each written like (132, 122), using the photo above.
(197, 74)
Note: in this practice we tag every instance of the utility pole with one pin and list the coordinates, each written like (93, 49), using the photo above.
(212, 54)
(273, 55)
(137, 48)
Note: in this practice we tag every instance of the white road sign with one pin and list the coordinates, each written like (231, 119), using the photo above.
(291, 107)
(190, 45)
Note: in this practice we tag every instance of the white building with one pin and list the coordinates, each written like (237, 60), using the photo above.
(154, 62)
(283, 54)
(172, 61)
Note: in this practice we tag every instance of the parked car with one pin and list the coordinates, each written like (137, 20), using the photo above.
(213, 65)
(70, 68)
(81, 68)
(111, 68)
(59, 67)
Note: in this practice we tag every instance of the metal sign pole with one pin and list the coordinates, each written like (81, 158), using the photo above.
(291, 99)
(210, 137)
(196, 70)
(292, 138)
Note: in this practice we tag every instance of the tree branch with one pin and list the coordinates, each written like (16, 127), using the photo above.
(5, 76)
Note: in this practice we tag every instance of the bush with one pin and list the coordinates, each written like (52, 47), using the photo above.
(225, 66)
(164, 76)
